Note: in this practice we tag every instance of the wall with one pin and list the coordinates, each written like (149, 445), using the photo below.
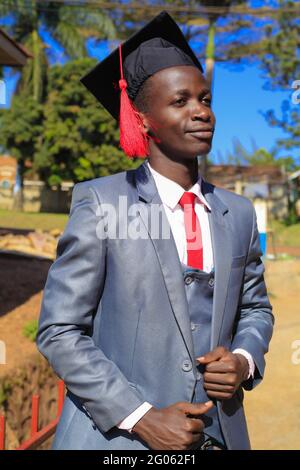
(39, 198)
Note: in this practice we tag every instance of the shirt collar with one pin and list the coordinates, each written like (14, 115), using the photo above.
(170, 192)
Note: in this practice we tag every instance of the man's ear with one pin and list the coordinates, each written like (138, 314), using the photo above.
(146, 126)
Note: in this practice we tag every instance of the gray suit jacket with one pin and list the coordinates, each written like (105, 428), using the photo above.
(114, 320)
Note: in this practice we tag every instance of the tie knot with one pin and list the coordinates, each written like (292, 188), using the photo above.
(187, 199)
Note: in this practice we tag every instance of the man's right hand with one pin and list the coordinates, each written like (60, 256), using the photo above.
(176, 427)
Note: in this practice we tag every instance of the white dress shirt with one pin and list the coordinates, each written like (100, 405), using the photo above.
(170, 193)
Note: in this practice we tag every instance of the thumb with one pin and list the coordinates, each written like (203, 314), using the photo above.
(196, 408)
(213, 355)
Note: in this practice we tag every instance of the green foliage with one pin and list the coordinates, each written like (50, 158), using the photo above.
(281, 58)
(80, 140)
(69, 26)
(292, 217)
(21, 127)
(70, 137)
(5, 390)
(30, 330)
(258, 156)
(281, 62)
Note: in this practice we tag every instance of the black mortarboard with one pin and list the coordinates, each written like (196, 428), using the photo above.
(158, 45)
(140, 61)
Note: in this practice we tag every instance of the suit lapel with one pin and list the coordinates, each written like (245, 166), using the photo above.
(166, 253)
(222, 250)
(169, 261)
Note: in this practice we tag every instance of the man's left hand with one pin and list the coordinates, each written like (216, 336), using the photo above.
(224, 372)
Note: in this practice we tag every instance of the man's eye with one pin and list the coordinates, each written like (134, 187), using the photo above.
(180, 101)
(207, 101)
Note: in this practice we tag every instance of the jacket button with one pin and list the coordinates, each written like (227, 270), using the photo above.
(193, 326)
(188, 280)
(211, 282)
(198, 375)
(186, 366)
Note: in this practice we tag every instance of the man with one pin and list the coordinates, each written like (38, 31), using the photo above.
(156, 324)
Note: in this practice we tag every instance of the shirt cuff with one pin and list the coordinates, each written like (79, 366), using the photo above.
(249, 359)
(129, 422)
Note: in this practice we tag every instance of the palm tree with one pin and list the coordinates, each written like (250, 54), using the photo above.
(214, 9)
(213, 16)
(68, 25)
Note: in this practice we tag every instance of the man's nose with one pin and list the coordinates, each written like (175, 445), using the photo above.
(200, 112)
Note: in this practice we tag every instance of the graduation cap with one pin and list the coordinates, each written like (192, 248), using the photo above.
(158, 45)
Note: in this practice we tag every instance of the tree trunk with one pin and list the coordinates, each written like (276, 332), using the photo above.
(37, 92)
(209, 70)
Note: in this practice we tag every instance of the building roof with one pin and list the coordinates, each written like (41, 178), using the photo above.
(257, 173)
(295, 175)
(12, 53)
(7, 160)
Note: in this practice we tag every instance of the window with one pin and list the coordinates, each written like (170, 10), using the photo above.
(5, 184)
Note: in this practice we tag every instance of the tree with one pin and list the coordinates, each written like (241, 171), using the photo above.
(210, 47)
(80, 139)
(21, 126)
(282, 65)
(68, 25)
(258, 156)
(70, 136)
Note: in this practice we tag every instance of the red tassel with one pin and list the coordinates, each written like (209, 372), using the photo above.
(133, 140)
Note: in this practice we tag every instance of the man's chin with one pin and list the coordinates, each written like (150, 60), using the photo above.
(203, 148)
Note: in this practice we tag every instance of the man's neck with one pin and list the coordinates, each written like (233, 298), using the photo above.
(183, 173)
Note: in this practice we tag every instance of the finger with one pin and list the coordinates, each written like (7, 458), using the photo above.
(197, 425)
(219, 395)
(213, 355)
(220, 367)
(195, 442)
(195, 408)
(218, 387)
(223, 379)
(196, 437)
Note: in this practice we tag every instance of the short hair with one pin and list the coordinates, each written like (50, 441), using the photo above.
(142, 99)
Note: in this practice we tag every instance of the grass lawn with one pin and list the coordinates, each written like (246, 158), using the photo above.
(32, 220)
(286, 235)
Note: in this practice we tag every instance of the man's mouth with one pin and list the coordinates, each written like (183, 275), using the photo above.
(205, 133)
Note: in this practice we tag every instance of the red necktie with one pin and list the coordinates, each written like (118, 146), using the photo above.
(192, 231)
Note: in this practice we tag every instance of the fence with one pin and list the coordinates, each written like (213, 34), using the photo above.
(37, 436)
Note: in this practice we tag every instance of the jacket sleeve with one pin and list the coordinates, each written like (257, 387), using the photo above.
(71, 296)
(254, 323)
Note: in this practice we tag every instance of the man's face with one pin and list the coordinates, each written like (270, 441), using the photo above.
(179, 113)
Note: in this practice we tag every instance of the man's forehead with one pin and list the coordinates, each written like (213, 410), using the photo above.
(179, 79)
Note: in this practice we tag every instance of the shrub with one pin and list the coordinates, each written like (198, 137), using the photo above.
(30, 330)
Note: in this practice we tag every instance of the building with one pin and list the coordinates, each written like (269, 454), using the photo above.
(11, 53)
(294, 183)
(8, 171)
(264, 182)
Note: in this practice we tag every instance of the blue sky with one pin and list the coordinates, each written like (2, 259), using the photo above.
(239, 98)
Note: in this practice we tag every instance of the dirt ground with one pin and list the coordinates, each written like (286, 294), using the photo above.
(273, 408)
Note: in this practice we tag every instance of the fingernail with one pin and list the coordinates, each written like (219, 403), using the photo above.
(201, 358)
(208, 403)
